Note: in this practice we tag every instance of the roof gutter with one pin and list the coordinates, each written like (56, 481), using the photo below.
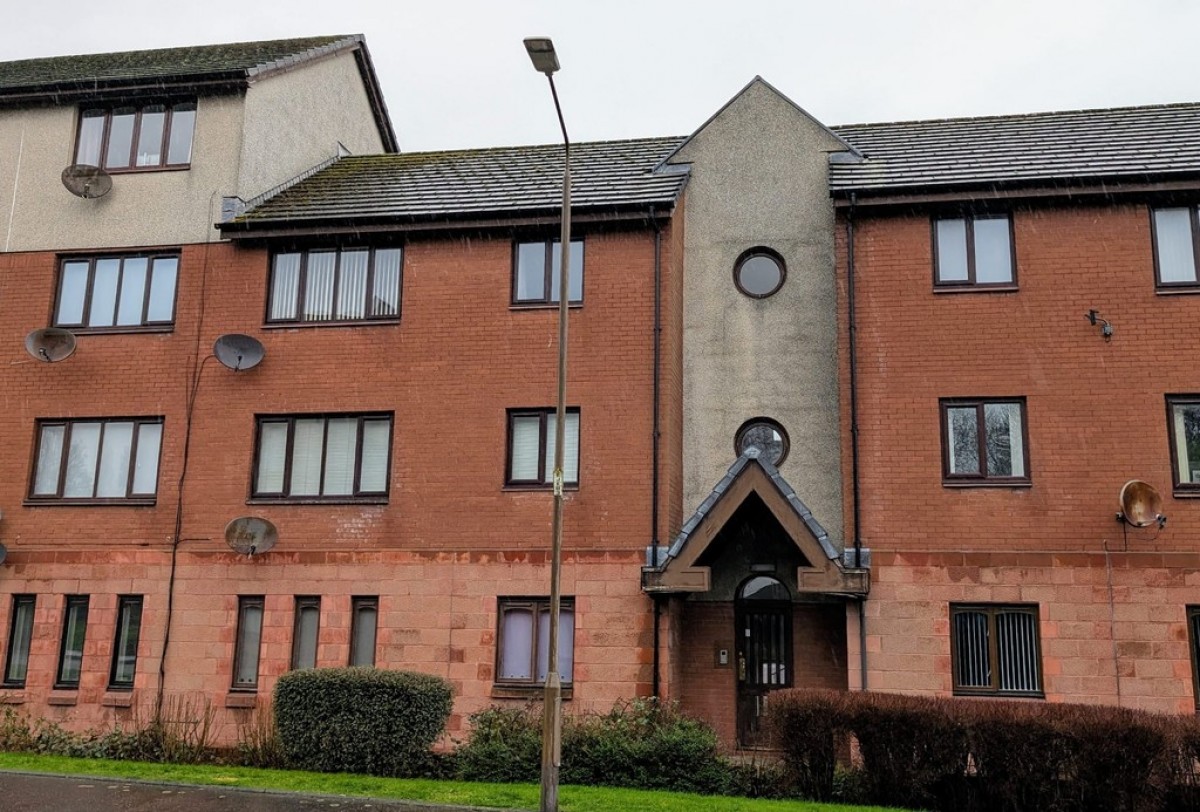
(1064, 189)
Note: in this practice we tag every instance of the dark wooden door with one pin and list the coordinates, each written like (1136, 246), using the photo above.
(764, 663)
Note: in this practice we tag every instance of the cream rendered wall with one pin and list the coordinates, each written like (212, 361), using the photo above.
(143, 208)
(294, 120)
(759, 177)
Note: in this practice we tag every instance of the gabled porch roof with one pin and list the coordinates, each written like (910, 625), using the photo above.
(823, 573)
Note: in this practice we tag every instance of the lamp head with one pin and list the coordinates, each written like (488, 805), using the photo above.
(541, 52)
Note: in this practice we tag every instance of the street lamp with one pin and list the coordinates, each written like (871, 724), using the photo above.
(545, 60)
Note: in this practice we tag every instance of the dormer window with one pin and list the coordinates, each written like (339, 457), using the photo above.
(132, 137)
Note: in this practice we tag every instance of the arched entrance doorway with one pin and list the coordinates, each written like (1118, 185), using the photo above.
(763, 631)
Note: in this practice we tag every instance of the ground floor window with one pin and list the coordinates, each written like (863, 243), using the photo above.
(20, 633)
(1193, 619)
(249, 642)
(996, 649)
(364, 622)
(304, 636)
(125, 646)
(70, 657)
(523, 641)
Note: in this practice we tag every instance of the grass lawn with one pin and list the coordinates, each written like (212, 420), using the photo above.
(504, 796)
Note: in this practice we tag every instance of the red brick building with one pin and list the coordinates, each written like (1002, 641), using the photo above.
(1021, 293)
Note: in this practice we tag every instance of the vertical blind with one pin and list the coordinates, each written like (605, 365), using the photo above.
(336, 285)
(328, 456)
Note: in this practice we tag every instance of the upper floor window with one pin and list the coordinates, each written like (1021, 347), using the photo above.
(765, 434)
(119, 292)
(531, 445)
(114, 459)
(336, 285)
(335, 458)
(1183, 426)
(125, 137)
(1176, 247)
(974, 251)
(983, 442)
(536, 272)
(759, 272)
(995, 649)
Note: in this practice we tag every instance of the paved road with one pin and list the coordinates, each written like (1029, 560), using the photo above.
(26, 792)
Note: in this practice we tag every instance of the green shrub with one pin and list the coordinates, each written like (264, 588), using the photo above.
(505, 746)
(363, 720)
(637, 744)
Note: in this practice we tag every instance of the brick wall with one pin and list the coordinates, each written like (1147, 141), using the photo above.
(451, 538)
(1096, 418)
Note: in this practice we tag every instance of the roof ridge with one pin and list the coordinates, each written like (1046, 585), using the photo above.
(1020, 116)
(326, 38)
(663, 139)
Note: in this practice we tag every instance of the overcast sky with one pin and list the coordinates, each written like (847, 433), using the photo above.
(455, 74)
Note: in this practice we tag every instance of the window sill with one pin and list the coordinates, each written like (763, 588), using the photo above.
(90, 502)
(63, 696)
(347, 500)
(140, 170)
(975, 289)
(12, 696)
(526, 691)
(984, 483)
(1177, 290)
(117, 331)
(243, 699)
(518, 488)
(542, 305)
(300, 325)
(117, 698)
(1179, 493)
(1034, 695)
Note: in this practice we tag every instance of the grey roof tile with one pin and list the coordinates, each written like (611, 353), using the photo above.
(480, 182)
(244, 58)
(1035, 149)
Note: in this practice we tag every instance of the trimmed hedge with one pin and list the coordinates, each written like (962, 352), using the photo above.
(363, 720)
(991, 756)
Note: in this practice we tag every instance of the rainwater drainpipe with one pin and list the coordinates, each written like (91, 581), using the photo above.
(654, 450)
(853, 340)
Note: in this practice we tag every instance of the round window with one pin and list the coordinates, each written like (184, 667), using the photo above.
(767, 436)
(759, 272)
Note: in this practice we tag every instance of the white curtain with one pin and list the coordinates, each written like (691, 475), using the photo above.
(318, 286)
(81, 461)
(526, 431)
(49, 461)
(516, 634)
(386, 300)
(285, 286)
(113, 476)
(352, 285)
(570, 447)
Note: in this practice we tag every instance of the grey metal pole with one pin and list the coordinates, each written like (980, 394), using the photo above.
(552, 710)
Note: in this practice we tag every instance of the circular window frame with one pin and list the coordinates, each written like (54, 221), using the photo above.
(751, 253)
(769, 423)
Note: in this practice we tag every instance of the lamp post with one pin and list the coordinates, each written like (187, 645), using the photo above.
(545, 60)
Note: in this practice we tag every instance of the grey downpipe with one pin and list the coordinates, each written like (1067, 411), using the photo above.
(655, 687)
(855, 490)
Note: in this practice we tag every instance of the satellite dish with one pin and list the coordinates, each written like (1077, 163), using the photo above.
(1141, 504)
(50, 344)
(3, 553)
(249, 535)
(86, 181)
(238, 351)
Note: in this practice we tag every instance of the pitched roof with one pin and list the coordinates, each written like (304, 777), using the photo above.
(216, 68)
(606, 177)
(1119, 144)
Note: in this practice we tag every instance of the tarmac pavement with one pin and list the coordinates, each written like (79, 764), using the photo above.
(31, 792)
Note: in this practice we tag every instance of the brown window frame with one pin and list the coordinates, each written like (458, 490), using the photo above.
(544, 464)
(145, 323)
(357, 604)
(766, 422)
(982, 479)
(70, 602)
(124, 601)
(170, 111)
(18, 600)
(536, 605)
(246, 602)
(751, 253)
(304, 602)
(970, 284)
(992, 610)
(357, 494)
(57, 498)
(550, 250)
(301, 285)
(1181, 488)
(1194, 219)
